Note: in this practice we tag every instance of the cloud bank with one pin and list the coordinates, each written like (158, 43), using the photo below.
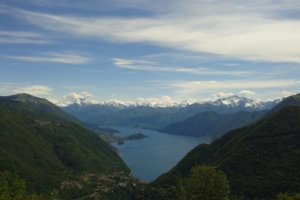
(34, 90)
(247, 93)
(250, 30)
(192, 87)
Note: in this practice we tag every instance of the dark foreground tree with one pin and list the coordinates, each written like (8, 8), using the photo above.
(282, 196)
(203, 183)
(14, 188)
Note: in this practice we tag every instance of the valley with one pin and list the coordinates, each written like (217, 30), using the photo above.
(88, 167)
(148, 158)
(77, 160)
(150, 100)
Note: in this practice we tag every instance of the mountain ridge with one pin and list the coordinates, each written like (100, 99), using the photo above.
(45, 146)
(159, 117)
(260, 160)
(212, 124)
(233, 100)
(293, 100)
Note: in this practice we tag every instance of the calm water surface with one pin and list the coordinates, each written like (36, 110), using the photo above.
(150, 157)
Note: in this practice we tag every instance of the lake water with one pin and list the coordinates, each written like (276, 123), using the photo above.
(150, 157)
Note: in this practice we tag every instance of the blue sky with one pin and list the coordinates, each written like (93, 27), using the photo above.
(131, 49)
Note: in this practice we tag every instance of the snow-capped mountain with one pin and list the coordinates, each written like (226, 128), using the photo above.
(158, 112)
(164, 102)
(149, 102)
(244, 102)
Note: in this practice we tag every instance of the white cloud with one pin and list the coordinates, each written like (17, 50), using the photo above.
(126, 62)
(245, 30)
(34, 90)
(145, 65)
(247, 93)
(74, 97)
(190, 87)
(11, 37)
(15, 88)
(222, 95)
(65, 58)
(6, 88)
(286, 93)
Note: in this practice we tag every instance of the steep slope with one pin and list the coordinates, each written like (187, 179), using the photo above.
(44, 145)
(260, 160)
(293, 100)
(211, 123)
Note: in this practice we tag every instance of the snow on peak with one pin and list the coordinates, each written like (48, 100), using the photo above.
(86, 98)
(235, 100)
(238, 101)
(231, 100)
(76, 98)
(164, 101)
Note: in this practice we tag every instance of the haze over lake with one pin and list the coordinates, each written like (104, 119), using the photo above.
(150, 157)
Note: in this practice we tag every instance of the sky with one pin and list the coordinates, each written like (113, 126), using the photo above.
(150, 49)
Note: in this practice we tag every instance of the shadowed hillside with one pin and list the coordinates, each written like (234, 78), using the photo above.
(259, 160)
(212, 123)
(44, 145)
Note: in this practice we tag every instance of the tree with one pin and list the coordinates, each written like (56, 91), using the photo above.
(203, 183)
(14, 188)
(282, 196)
(11, 187)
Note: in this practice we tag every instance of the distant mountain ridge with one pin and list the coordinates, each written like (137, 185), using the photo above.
(232, 101)
(212, 124)
(244, 102)
(157, 117)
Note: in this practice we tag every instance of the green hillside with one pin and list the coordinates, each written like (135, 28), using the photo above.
(293, 100)
(260, 160)
(212, 123)
(45, 146)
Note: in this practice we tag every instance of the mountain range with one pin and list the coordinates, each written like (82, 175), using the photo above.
(53, 152)
(158, 117)
(260, 160)
(233, 101)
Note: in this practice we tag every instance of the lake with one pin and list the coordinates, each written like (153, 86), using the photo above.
(150, 157)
